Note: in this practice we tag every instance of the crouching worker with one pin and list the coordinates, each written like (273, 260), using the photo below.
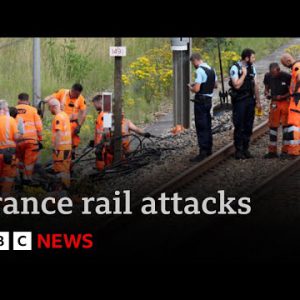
(103, 143)
(62, 143)
(8, 137)
(128, 128)
(277, 84)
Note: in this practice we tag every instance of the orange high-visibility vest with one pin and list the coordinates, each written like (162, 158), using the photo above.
(125, 131)
(32, 123)
(8, 128)
(291, 133)
(61, 123)
(294, 109)
(295, 72)
(99, 128)
(69, 105)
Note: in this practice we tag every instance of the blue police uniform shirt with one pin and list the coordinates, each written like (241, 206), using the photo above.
(201, 76)
(234, 72)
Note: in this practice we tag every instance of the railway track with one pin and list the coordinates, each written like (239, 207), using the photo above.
(196, 171)
(202, 167)
(275, 211)
(282, 178)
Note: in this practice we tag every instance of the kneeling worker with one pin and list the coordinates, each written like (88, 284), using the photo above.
(61, 142)
(127, 128)
(277, 84)
(8, 137)
(102, 142)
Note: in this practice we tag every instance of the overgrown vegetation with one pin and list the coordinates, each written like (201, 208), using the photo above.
(148, 82)
(294, 51)
(66, 63)
(147, 69)
(231, 49)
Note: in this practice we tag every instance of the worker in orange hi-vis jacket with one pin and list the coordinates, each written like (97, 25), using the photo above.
(277, 84)
(292, 131)
(104, 154)
(61, 143)
(74, 105)
(8, 138)
(31, 141)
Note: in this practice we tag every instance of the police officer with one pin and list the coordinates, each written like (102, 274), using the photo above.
(245, 96)
(203, 87)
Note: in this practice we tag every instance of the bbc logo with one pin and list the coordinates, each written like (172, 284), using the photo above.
(22, 240)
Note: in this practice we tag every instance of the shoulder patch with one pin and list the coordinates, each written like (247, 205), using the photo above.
(232, 72)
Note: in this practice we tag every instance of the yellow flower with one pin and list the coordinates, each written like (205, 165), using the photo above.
(293, 50)
(130, 102)
(125, 79)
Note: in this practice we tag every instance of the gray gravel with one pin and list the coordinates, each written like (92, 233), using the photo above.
(237, 177)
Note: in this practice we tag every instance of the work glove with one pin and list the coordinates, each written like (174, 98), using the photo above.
(296, 97)
(77, 130)
(91, 143)
(40, 145)
(147, 135)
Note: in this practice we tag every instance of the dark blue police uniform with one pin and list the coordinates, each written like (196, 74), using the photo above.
(243, 102)
(206, 77)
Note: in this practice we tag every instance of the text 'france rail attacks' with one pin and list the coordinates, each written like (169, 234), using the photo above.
(121, 204)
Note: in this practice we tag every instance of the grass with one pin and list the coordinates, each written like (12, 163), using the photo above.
(262, 46)
(16, 64)
(16, 68)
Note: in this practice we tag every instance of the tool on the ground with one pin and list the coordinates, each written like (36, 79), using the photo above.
(217, 129)
(147, 150)
(178, 128)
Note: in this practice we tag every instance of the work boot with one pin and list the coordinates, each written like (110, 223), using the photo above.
(26, 182)
(271, 155)
(239, 154)
(247, 154)
(201, 156)
(30, 182)
(73, 155)
(285, 155)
